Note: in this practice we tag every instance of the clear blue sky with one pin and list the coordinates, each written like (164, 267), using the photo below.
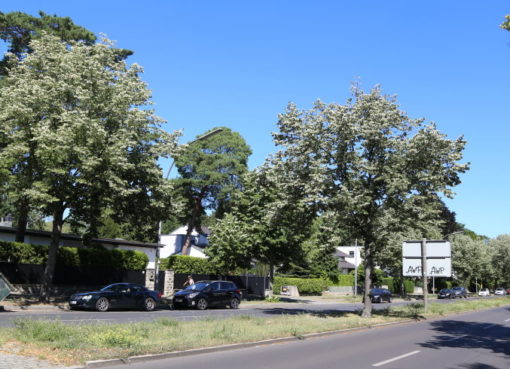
(238, 64)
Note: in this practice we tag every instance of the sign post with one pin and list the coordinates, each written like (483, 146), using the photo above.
(424, 273)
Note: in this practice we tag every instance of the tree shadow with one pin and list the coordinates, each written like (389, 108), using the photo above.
(470, 335)
(477, 366)
(330, 313)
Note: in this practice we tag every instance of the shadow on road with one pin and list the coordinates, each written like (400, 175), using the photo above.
(476, 366)
(470, 335)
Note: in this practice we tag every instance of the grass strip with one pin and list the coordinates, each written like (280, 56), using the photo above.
(74, 344)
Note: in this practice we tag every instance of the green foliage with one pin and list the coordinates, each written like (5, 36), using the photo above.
(375, 169)
(506, 23)
(210, 170)
(306, 286)
(344, 280)
(22, 253)
(230, 244)
(409, 286)
(19, 29)
(471, 258)
(500, 257)
(188, 264)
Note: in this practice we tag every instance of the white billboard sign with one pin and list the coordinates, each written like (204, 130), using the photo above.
(434, 249)
(439, 262)
(435, 267)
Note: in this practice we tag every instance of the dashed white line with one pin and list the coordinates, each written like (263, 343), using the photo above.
(396, 358)
(508, 320)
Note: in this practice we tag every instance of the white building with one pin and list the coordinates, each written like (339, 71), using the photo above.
(353, 254)
(173, 243)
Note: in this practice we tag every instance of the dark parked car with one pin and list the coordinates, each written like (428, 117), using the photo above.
(446, 293)
(204, 294)
(460, 292)
(117, 296)
(380, 295)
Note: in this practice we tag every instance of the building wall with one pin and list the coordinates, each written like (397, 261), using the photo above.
(173, 243)
(352, 249)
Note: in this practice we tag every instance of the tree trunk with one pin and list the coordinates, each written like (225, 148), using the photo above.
(367, 303)
(22, 221)
(191, 226)
(52, 255)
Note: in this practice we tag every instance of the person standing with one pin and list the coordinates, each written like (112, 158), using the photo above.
(189, 281)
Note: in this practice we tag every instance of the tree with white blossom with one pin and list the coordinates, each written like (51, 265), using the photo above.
(82, 116)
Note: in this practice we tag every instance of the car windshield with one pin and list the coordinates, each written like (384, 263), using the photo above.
(458, 288)
(197, 286)
(444, 290)
(111, 287)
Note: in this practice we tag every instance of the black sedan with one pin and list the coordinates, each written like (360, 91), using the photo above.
(380, 295)
(446, 293)
(117, 296)
(204, 294)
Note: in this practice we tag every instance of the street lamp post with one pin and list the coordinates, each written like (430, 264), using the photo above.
(160, 224)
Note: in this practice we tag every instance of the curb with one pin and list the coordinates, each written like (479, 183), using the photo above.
(234, 346)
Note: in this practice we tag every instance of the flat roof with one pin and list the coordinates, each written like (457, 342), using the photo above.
(75, 237)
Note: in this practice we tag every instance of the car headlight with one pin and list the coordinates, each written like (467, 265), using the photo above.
(86, 298)
(192, 295)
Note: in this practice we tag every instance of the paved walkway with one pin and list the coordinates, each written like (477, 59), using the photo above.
(13, 361)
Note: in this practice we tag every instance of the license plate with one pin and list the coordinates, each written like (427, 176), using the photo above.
(178, 300)
(72, 302)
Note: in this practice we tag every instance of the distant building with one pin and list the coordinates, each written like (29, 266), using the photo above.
(173, 243)
(6, 221)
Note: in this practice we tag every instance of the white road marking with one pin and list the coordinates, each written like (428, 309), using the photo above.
(508, 320)
(396, 358)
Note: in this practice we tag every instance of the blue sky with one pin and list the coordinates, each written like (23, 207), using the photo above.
(238, 64)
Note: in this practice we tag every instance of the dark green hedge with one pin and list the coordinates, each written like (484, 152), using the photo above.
(306, 286)
(394, 284)
(23, 253)
(344, 280)
(188, 264)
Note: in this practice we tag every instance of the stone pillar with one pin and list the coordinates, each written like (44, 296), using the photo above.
(149, 278)
(169, 283)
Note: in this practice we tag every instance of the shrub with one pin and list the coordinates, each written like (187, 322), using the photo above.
(97, 257)
(343, 280)
(188, 264)
(306, 286)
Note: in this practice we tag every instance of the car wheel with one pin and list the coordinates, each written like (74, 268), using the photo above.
(102, 304)
(149, 304)
(202, 304)
(234, 303)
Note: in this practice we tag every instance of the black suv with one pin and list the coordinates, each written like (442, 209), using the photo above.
(204, 294)
(459, 292)
(380, 295)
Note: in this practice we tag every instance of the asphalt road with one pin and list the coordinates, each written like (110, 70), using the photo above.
(479, 340)
(262, 310)
(129, 316)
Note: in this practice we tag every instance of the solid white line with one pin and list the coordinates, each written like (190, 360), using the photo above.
(396, 358)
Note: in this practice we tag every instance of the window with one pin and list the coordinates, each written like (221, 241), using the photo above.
(351, 254)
